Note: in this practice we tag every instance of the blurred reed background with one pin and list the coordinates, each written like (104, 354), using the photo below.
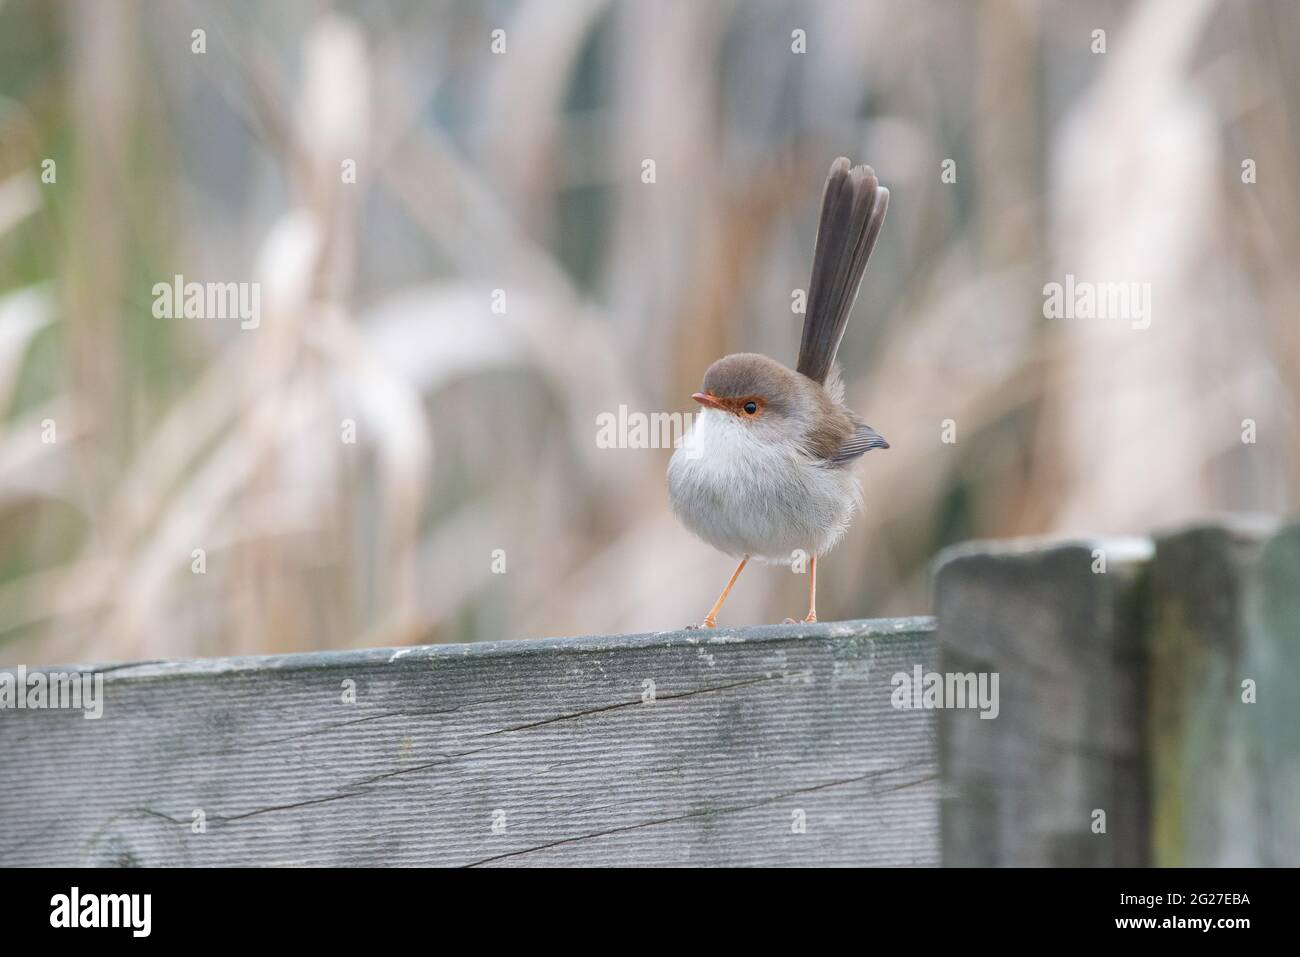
(521, 171)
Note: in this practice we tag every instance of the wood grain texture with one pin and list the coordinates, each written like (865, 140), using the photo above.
(747, 729)
(1226, 770)
(1069, 738)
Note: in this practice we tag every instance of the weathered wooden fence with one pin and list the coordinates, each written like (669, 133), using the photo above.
(1159, 696)
(771, 745)
(1147, 712)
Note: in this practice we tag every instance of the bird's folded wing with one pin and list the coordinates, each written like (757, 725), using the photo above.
(863, 440)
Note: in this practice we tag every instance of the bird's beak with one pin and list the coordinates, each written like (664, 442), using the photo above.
(703, 398)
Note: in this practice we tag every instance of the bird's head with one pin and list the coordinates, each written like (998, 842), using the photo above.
(758, 391)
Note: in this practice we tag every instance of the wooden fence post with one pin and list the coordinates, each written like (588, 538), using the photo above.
(1163, 693)
(1058, 776)
(1225, 715)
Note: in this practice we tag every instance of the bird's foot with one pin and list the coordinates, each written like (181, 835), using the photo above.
(810, 620)
(789, 621)
(706, 623)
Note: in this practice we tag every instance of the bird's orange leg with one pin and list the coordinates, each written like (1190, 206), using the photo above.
(812, 590)
(711, 620)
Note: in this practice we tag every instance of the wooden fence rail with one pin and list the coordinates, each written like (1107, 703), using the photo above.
(764, 746)
(1146, 710)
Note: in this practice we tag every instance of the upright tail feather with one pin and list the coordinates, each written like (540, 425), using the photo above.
(853, 210)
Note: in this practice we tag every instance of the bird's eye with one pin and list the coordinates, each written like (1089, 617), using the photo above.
(751, 407)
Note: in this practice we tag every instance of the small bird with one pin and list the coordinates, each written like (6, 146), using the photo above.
(766, 471)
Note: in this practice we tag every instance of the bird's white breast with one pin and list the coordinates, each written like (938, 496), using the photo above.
(747, 495)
